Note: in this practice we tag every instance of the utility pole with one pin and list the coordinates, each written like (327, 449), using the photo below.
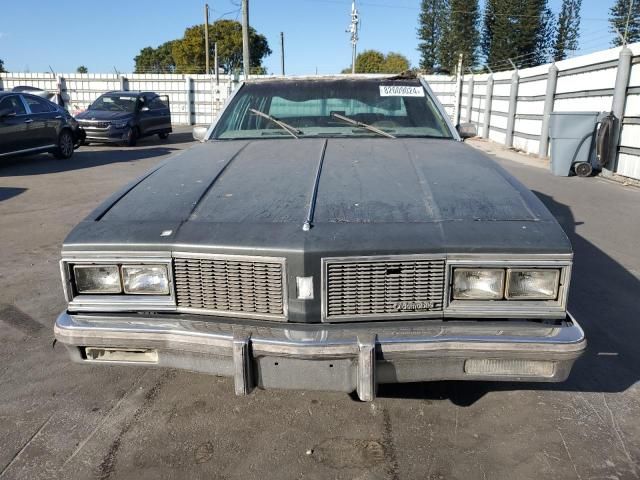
(245, 38)
(282, 53)
(456, 114)
(353, 30)
(215, 62)
(206, 38)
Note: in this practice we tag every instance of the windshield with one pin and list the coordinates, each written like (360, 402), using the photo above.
(115, 103)
(401, 108)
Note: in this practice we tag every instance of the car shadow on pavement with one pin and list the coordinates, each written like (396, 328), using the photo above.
(43, 164)
(9, 192)
(603, 298)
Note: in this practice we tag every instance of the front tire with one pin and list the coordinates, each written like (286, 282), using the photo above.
(132, 137)
(163, 136)
(64, 150)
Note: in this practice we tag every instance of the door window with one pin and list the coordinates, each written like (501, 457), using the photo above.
(157, 104)
(13, 102)
(38, 105)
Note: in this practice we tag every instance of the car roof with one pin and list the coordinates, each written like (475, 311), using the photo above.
(372, 77)
(130, 93)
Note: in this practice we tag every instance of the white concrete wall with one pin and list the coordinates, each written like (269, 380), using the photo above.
(580, 91)
(196, 99)
(200, 92)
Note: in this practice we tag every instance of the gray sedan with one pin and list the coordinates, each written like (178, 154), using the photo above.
(331, 233)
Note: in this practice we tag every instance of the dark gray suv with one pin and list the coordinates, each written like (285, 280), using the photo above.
(30, 124)
(124, 117)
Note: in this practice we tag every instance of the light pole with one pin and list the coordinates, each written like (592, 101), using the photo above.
(353, 30)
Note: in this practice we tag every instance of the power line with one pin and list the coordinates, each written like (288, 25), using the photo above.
(463, 12)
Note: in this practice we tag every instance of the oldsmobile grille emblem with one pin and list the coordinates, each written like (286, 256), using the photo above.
(413, 306)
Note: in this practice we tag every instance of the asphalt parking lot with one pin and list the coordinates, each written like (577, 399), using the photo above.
(61, 420)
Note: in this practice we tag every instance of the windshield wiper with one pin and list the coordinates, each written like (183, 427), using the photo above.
(293, 131)
(366, 126)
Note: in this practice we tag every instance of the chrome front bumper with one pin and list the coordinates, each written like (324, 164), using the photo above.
(328, 356)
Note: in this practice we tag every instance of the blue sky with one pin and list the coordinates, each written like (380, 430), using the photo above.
(101, 35)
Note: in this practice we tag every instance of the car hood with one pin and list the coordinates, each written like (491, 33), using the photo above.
(374, 193)
(103, 115)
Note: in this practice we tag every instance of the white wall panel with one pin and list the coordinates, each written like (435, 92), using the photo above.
(525, 144)
(500, 106)
(595, 80)
(531, 89)
(497, 137)
(530, 108)
(629, 165)
(500, 90)
(498, 121)
(532, 127)
(586, 104)
(630, 136)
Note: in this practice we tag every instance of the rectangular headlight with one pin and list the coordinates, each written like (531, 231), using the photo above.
(145, 279)
(478, 284)
(97, 278)
(539, 284)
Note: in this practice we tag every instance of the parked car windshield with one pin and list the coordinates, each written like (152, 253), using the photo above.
(312, 108)
(114, 103)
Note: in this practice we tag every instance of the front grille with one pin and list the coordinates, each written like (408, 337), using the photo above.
(384, 288)
(221, 285)
(90, 125)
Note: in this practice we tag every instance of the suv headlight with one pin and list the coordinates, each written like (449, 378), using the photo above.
(120, 124)
(478, 284)
(97, 278)
(538, 284)
(145, 279)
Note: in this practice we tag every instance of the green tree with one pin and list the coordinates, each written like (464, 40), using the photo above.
(2, 70)
(431, 27)
(369, 61)
(189, 52)
(460, 35)
(373, 61)
(624, 18)
(567, 29)
(520, 30)
(546, 35)
(82, 69)
(156, 60)
(395, 63)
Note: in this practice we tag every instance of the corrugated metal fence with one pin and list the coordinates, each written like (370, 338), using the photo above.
(510, 107)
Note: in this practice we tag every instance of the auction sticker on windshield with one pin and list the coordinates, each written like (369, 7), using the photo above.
(401, 91)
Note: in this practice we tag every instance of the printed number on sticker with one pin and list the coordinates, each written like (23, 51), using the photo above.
(401, 91)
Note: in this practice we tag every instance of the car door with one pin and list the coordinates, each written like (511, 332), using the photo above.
(145, 116)
(43, 128)
(162, 115)
(13, 127)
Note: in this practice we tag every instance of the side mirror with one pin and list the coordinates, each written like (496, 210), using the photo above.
(467, 130)
(7, 112)
(200, 133)
(144, 109)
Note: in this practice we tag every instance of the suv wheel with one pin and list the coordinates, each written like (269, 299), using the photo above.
(132, 137)
(64, 149)
(163, 136)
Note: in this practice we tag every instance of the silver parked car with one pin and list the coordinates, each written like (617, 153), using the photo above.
(331, 233)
